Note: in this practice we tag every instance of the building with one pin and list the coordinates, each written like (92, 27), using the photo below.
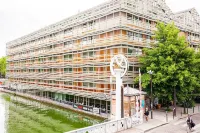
(69, 61)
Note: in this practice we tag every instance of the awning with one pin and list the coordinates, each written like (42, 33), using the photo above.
(128, 91)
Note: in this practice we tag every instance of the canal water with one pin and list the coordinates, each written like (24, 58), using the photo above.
(20, 115)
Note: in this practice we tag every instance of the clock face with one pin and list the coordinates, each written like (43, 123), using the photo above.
(119, 62)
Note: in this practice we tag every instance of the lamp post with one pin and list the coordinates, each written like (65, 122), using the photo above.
(151, 72)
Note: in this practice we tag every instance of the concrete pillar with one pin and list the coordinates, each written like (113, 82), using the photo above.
(118, 93)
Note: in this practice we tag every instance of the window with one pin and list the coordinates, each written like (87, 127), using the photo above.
(67, 70)
(140, 37)
(116, 14)
(129, 17)
(85, 84)
(148, 39)
(130, 35)
(136, 36)
(68, 83)
(68, 44)
(52, 46)
(91, 54)
(90, 40)
(85, 55)
(84, 69)
(132, 51)
(68, 57)
(139, 51)
(68, 31)
(92, 85)
(85, 25)
(55, 58)
(84, 41)
(136, 69)
(91, 69)
(135, 20)
(70, 70)
(130, 68)
(50, 58)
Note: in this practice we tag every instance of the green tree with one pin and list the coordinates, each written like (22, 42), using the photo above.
(3, 66)
(172, 62)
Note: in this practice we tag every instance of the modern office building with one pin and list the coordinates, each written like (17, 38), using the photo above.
(69, 61)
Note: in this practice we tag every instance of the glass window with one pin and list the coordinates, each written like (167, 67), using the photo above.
(85, 69)
(136, 69)
(65, 69)
(139, 51)
(85, 54)
(70, 56)
(55, 58)
(85, 84)
(91, 68)
(130, 51)
(65, 57)
(91, 84)
(91, 54)
(70, 70)
(129, 17)
(70, 83)
(130, 68)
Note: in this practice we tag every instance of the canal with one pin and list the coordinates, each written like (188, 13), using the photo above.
(20, 115)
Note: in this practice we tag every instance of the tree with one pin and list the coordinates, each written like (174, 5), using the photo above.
(3, 66)
(172, 62)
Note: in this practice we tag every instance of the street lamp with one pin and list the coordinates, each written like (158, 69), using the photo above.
(151, 72)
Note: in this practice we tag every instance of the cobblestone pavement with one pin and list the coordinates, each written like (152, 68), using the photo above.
(178, 126)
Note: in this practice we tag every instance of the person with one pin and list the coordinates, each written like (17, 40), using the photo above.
(190, 122)
(155, 102)
(146, 114)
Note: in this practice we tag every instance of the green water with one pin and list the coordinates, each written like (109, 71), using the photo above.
(20, 115)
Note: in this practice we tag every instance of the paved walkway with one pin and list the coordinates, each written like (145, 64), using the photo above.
(159, 119)
(178, 126)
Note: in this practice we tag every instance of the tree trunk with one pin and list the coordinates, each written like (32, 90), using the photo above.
(174, 101)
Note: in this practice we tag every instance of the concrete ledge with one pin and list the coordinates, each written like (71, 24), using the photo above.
(155, 127)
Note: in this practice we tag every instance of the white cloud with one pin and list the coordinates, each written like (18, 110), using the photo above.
(20, 17)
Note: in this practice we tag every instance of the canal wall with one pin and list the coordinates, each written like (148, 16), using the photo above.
(55, 103)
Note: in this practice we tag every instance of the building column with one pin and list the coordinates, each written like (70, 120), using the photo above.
(106, 107)
(100, 107)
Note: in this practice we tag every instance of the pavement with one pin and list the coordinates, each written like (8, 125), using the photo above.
(161, 119)
(178, 126)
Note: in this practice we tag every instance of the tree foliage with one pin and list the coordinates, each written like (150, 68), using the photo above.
(3, 66)
(175, 65)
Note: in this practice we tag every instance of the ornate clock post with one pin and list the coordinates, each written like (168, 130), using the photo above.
(118, 68)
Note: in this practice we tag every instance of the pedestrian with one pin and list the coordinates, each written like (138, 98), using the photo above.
(190, 122)
(146, 114)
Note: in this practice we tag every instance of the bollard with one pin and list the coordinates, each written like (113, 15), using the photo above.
(181, 113)
(199, 108)
(166, 117)
(193, 110)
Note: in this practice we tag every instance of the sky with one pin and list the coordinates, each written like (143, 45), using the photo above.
(21, 17)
